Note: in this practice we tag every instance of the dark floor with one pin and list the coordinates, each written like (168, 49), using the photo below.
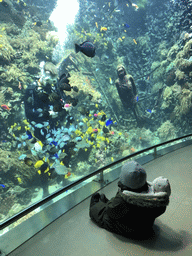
(74, 234)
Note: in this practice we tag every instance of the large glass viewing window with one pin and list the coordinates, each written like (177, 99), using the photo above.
(84, 85)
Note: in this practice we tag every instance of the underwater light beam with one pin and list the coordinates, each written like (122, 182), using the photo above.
(64, 14)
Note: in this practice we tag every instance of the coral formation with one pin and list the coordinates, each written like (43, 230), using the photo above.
(166, 131)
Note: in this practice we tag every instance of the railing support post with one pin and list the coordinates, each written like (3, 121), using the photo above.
(101, 177)
(155, 152)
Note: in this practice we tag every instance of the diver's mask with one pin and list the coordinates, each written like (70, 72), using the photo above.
(121, 72)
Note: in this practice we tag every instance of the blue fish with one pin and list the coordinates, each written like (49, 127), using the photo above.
(109, 122)
(29, 135)
(2, 185)
(149, 110)
(126, 25)
(54, 143)
(56, 155)
(137, 98)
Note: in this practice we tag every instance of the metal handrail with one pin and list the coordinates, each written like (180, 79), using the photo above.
(62, 190)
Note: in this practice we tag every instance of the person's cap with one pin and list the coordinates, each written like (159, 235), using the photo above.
(133, 175)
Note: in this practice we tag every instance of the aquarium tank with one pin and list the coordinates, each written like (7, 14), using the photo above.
(84, 84)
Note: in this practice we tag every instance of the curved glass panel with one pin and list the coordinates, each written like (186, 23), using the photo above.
(86, 84)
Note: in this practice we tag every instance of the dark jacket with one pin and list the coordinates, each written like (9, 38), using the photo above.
(129, 213)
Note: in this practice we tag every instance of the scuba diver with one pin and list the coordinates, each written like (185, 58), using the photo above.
(127, 92)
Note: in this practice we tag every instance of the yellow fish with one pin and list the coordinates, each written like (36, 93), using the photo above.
(134, 41)
(38, 164)
(96, 24)
(19, 180)
(112, 159)
(103, 29)
(40, 143)
(120, 39)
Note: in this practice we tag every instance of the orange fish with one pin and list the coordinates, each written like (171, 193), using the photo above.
(132, 150)
(134, 41)
(103, 29)
(5, 107)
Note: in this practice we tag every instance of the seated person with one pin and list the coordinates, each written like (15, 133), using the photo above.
(135, 207)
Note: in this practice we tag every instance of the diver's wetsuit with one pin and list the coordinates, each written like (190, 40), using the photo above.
(127, 92)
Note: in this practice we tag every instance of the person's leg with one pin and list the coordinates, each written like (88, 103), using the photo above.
(94, 199)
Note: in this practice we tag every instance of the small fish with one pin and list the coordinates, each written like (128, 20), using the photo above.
(149, 110)
(19, 180)
(42, 132)
(126, 25)
(111, 132)
(134, 41)
(67, 175)
(3, 186)
(56, 155)
(67, 105)
(28, 161)
(4, 106)
(103, 118)
(53, 142)
(39, 126)
(96, 24)
(96, 115)
(137, 98)
(109, 122)
(132, 150)
(95, 130)
(110, 80)
(87, 48)
(135, 6)
(103, 29)
(29, 135)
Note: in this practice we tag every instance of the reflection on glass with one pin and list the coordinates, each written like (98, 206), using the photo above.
(67, 111)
